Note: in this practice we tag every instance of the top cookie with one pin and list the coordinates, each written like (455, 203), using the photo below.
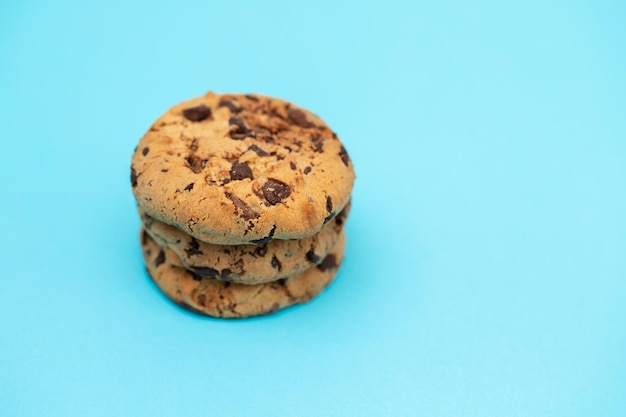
(237, 169)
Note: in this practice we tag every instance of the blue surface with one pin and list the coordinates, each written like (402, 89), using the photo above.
(486, 267)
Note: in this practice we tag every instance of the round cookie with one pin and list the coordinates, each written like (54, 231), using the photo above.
(228, 300)
(244, 264)
(240, 169)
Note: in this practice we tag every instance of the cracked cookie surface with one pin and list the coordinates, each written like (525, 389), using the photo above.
(240, 169)
(229, 300)
(245, 264)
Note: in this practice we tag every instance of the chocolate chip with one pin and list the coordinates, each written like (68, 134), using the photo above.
(198, 113)
(231, 105)
(205, 271)
(133, 177)
(261, 251)
(164, 170)
(329, 262)
(241, 131)
(282, 281)
(246, 212)
(344, 155)
(194, 248)
(196, 164)
(239, 171)
(329, 204)
(189, 187)
(276, 263)
(275, 191)
(202, 300)
(292, 165)
(145, 151)
(225, 274)
(317, 144)
(307, 170)
(194, 276)
(193, 146)
(312, 257)
(266, 239)
(239, 123)
(251, 97)
(159, 259)
(258, 151)
(298, 117)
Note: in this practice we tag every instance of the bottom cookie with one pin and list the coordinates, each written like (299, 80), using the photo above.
(216, 298)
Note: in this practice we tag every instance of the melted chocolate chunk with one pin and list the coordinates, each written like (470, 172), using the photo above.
(251, 97)
(276, 263)
(292, 165)
(205, 271)
(266, 239)
(196, 164)
(258, 151)
(198, 113)
(307, 170)
(298, 117)
(159, 259)
(239, 171)
(344, 156)
(231, 105)
(189, 187)
(145, 151)
(275, 191)
(225, 274)
(246, 212)
(312, 257)
(282, 281)
(194, 248)
(329, 262)
(329, 204)
(133, 177)
(164, 170)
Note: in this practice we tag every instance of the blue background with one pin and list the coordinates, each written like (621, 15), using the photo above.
(486, 267)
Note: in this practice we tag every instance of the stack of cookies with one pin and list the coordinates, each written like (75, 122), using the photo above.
(242, 200)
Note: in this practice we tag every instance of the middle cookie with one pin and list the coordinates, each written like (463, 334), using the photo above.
(244, 264)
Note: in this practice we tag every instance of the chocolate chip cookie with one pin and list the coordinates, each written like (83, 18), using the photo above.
(229, 300)
(241, 169)
(245, 264)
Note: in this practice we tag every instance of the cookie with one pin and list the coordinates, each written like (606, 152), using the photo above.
(229, 300)
(245, 264)
(241, 169)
